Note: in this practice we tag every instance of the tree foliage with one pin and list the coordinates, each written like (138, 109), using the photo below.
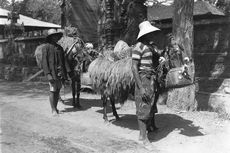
(5, 4)
(224, 5)
(45, 10)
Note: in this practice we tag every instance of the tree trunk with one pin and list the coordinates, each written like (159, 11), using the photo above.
(109, 22)
(183, 98)
(63, 14)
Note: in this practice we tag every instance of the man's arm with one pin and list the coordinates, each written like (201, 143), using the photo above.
(45, 64)
(136, 74)
(138, 81)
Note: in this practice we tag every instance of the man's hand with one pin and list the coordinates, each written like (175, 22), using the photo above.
(144, 96)
(50, 78)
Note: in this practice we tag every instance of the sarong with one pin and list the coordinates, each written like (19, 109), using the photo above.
(145, 111)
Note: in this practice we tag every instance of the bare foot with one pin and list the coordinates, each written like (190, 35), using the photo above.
(118, 118)
(54, 113)
(148, 145)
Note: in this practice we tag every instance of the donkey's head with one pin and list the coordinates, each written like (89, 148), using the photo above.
(80, 55)
(176, 52)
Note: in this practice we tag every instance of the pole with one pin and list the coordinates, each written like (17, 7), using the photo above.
(63, 12)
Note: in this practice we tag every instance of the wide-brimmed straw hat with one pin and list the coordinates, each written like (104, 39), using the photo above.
(53, 32)
(145, 27)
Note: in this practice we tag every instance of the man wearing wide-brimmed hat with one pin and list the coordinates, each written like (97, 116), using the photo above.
(54, 66)
(146, 58)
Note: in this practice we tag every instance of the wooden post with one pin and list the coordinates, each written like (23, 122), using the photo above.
(183, 24)
(109, 22)
(183, 98)
(63, 14)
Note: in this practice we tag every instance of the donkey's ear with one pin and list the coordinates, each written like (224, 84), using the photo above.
(181, 47)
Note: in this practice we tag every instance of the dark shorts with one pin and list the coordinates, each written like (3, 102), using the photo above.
(145, 111)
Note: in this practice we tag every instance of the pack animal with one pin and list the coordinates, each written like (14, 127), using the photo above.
(113, 80)
(76, 55)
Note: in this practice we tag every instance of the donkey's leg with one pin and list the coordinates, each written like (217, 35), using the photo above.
(112, 101)
(73, 92)
(78, 105)
(104, 101)
(151, 122)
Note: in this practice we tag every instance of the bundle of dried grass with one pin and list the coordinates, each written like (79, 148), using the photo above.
(38, 55)
(121, 76)
(112, 78)
(99, 72)
(122, 50)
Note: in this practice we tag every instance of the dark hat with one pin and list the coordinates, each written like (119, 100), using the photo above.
(53, 32)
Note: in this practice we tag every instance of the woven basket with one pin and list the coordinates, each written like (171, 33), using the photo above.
(175, 77)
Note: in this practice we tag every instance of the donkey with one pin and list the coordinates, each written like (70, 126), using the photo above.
(113, 80)
(76, 55)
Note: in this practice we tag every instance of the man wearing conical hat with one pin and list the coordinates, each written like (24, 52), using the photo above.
(54, 66)
(145, 59)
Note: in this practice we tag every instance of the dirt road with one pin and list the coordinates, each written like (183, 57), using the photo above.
(27, 126)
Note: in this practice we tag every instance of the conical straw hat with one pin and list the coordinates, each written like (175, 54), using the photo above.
(145, 28)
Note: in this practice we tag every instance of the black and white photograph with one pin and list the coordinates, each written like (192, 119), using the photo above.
(114, 76)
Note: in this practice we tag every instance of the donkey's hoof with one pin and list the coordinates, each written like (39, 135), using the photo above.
(106, 120)
(118, 118)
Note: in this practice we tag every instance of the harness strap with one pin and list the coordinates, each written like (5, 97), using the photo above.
(71, 47)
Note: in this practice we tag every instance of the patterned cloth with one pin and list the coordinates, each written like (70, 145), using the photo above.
(143, 53)
(145, 111)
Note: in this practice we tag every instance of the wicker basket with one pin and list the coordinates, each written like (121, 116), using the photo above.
(176, 78)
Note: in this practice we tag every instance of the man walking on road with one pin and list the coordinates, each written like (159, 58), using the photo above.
(145, 58)
(54, 66)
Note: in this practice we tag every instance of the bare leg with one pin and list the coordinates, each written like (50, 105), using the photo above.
(142, 128)
(56, 97)
(52, 102)
(143, 134)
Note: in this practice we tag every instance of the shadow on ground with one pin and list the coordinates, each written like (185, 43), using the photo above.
(166, 123)
(85, 103)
